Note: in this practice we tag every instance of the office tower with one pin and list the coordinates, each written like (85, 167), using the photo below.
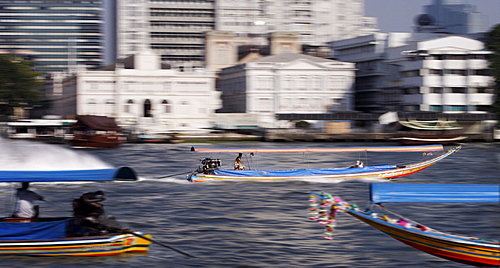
(451, 16)
(316, 22)
(57, 35)
(173, 29)
(177, 29)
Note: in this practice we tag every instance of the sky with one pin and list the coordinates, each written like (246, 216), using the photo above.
(399, 15)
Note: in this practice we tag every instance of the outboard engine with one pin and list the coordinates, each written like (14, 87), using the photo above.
(208, 165)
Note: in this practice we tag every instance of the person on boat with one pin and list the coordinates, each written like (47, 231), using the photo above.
(88, 212)
(24, 205)
(357, 165)
(238, 163)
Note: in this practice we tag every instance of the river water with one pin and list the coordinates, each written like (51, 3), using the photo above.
(250, 224)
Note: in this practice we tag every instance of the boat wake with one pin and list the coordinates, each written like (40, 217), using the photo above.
(27, 155)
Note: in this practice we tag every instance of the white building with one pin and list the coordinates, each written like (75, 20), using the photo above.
(142, 96)
(418, 72)
(447, 74)
(287, 83)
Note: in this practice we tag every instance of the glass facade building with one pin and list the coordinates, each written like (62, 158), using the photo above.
(56, 35)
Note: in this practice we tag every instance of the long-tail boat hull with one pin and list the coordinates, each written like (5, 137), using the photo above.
(462, 250)
(76, 246)
(369, 172)
(455, 247)
(65, 236)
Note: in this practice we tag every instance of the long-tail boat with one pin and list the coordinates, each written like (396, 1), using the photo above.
(56, 236)
(211, 167)
(458, 248)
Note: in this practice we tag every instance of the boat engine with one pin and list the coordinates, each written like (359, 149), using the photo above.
(208, 165)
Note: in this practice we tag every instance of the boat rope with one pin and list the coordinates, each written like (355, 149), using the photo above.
(249, 162)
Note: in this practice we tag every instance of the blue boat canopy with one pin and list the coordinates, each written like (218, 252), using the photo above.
(300, 172)
(433, 193)
(119, 174)
(386, 149)
(34, 230)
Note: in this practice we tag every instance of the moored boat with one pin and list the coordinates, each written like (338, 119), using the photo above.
(430, 132)
(210, 169)
(458, 248)
(63, 236)
(96, 131)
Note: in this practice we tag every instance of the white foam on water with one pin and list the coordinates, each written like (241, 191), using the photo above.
(29, 155)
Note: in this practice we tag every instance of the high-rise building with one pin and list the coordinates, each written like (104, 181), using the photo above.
(57, 35)
(451, 16)
(315, 22)
(173, 29)
(176, 29)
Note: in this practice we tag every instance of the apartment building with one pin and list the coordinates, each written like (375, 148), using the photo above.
(419, 72)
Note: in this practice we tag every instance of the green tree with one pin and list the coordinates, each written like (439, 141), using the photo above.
(17, 84)
(493, 44)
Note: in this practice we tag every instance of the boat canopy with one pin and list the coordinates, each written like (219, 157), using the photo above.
(431, 125)
(34, 230)
(97, 122)
(422, 148)
(433, 193)
(301, 172)
(119, 174)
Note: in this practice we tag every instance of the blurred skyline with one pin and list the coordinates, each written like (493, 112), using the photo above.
(399, 15)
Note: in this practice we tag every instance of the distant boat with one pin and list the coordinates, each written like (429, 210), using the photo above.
(96, 131)
(155, 138)
(459, 248)
(430, 132)
(50, 236)
(45, 130)
(211, 170)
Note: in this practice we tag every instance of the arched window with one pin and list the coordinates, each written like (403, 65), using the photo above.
(166, 106)
(128, 106)
(147, 108)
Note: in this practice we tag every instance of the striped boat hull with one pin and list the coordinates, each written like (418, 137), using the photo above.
(358, 175)
(77, 246)
(459, 249)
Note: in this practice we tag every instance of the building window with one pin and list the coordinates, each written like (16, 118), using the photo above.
(128, 106)
(461, 90)
(454, 57)
(147, 109)
(483, 108)
(480, 72)
(456, 72)
(437, 90)
(435, 72)
(484, 90)
(455, 108)
(166, 106)
(476, 57)
(436, 108)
